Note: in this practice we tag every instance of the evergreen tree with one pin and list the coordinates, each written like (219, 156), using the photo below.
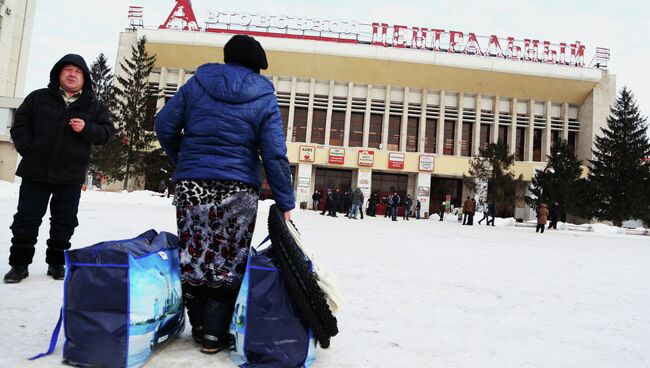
(105, 158)
(492, 166)
(132, 95)
(558, 181)
(619, 174)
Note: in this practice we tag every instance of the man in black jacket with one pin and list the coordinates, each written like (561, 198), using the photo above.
(53, 130)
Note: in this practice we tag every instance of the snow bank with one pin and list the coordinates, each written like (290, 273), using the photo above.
(606, 229)
(8, 189)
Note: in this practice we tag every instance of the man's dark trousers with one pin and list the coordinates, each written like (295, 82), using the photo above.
(32, 205)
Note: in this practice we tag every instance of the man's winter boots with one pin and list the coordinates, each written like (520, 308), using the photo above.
(216, 320)
(56, 271)
(16, 274)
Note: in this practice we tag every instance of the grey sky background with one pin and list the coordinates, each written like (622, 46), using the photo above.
(91, 27)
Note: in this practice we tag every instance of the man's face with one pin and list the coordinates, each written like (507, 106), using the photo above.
(71, 78)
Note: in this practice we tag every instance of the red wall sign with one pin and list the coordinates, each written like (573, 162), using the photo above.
(395, 160)
(337, 156)
(366, 158)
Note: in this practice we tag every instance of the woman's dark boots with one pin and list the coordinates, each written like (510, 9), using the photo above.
(216, 322)
(195, 307)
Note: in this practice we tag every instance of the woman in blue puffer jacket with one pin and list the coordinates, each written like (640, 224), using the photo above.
(215, 129)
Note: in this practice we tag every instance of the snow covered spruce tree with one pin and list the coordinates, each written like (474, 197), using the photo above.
(132, 94)
(492, 166)
(558, 181)
(105, 158)
(620, 175)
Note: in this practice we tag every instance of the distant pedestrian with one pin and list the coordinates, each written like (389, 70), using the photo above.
(443, 208)
(394, 203)
(554, 213)
(372, 205)
(329, 203)
(542, 215)
(484, 208)
(316, 197)
(357, 202)
(472, 210)
(386, 201)
(466, 205)
(408, 202)
(418, 206)
(492, 210)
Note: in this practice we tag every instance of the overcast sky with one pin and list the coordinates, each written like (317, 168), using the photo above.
(90, 27)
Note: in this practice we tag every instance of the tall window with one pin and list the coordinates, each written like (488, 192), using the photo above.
(572, 140)
(537, 145)
(394, 124)
(318, 126)
(299, 133)
(555, 137)
(450, 138)
(485, 136)
(520, 141)
(430, 132)
(356, 129)
(336, 129)
(412, 134)
(466, 141)
(503, 135)
(374, 134)
(284, 111)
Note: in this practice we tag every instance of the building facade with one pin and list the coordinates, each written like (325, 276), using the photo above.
(16, 19)
(359, 111)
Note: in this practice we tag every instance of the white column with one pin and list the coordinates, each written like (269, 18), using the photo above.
(440, 135)
(476, 136)
(364, 182)
(328, 116)
(366, 116)
(513, 125)
(531, 131)
(384, 124)
(292, 104)
(348, 114)
(404, 124)
(310, 109)
(304, 187)
(565, 120)
(495, 128)
(423, 182)
(181, 77)
(422, 126)
(162, 82)
(459, 124)
(547, 135)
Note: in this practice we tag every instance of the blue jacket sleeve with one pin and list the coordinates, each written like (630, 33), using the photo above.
(169, 123)
(273, 151)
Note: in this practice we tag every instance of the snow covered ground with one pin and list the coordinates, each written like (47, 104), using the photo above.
(416, 294)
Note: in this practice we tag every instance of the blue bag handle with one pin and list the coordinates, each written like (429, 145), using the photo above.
(55, 337)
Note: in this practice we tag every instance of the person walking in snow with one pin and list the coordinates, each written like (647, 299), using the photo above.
(466, 206)
(472, 211)
(542, 215)
(372, 205)
(357, 202)
(408, 202)
(443, 208)
(386, 202)
(328, 202)
(216, 129)
(492, 210)
(315, 200)
(53, 131)
(554, 213)
(484, 208)
(394, 203)
(418, 206)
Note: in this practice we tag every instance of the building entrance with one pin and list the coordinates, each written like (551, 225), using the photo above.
(332, 179)
(440, 188)
(385, 184)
